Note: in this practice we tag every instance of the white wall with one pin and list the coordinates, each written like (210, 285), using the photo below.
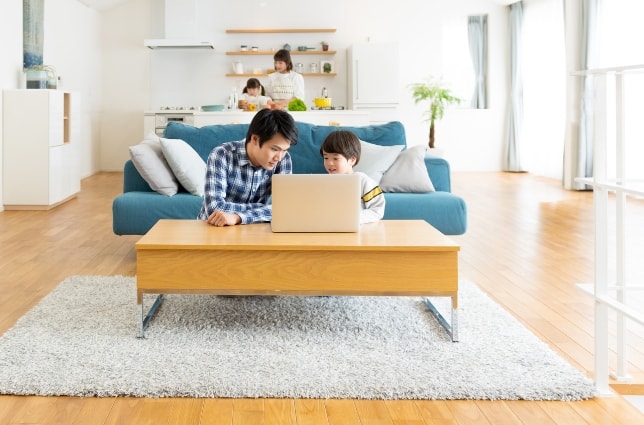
(73, 46)
(10, 57)
(125, 79)
(135, 78)
(101, 55)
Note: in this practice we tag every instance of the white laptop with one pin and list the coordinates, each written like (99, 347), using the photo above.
(316, 203)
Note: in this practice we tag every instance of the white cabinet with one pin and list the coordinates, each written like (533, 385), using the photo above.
(40, 148)
(374, 80)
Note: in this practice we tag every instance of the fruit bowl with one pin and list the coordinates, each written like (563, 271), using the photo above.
(322, 102)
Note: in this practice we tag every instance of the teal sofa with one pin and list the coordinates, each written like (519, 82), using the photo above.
(138, 208)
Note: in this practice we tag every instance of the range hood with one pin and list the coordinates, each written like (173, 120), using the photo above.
(180, 27)
(177, 43)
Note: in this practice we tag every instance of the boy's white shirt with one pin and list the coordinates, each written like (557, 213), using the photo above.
(373, 210)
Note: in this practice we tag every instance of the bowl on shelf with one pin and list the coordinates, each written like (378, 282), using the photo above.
(212, 108)
(322, 102)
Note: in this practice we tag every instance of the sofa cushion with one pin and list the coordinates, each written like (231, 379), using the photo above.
(186, 164)
(376, 159)
(134, 213)
(148, 159)
(205, 139)
(408, 173)
(305, 154)
(445, 211)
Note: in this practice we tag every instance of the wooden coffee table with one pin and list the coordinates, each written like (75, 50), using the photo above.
(390, 257)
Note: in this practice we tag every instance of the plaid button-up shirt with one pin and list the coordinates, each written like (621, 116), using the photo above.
(235, 185)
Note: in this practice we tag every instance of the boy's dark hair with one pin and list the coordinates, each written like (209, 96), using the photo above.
(343, 142)
(254, 83)
(284, 56)
(268, 122)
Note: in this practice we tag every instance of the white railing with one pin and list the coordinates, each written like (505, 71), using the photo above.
(610, 289)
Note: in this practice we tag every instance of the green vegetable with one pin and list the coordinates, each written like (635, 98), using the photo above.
(297, 105)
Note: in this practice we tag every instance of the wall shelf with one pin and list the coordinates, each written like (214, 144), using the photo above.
(293, 52)
(271, 53)
(279, 30)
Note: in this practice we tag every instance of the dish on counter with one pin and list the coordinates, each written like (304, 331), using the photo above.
(212, 108)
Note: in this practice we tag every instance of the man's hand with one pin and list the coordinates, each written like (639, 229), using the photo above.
(220, 219)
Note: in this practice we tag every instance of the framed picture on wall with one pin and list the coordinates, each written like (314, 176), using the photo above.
(33, 37)
(326, 67)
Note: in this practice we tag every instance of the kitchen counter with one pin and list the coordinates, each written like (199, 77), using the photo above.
(319, 117)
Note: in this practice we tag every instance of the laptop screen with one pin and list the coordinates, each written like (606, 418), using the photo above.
(316, 203)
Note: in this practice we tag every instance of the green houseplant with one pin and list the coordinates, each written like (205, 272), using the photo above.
(438, 95)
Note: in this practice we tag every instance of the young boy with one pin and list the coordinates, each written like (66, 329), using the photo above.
(238, 174)
(341, 151)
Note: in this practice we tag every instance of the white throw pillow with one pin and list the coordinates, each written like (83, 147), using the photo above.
(376, 159)
(150, 162)
(408, 173)
(187, 165)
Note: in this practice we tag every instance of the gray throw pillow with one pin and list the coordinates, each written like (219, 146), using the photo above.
(149, 161)
(408, 173)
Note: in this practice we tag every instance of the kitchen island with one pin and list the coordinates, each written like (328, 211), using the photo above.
(155, 121)
(318, 117)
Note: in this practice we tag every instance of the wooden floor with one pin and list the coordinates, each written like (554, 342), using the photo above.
(529, 242)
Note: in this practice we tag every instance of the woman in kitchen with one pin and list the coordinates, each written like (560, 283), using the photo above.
(284, 84)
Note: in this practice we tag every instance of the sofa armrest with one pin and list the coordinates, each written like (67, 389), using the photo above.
(439, 173)
(132, 180)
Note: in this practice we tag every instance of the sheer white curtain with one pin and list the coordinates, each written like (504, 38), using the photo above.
(545, 75)
(477, 35)
(544, 92)
(620, 45)
(513, 149)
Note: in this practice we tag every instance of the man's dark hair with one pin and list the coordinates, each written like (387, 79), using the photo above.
(268, 122)
(343, 142)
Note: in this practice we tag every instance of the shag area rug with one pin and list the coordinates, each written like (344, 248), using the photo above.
(80, 340)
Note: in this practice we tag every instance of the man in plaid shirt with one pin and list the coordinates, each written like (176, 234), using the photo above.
(238, 174)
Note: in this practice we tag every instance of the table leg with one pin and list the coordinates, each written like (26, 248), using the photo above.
(452, 329)
(145, 318)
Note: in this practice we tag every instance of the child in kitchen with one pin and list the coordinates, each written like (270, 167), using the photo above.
(341, 151)
(239, 173)
(284, 85)
(253, 96)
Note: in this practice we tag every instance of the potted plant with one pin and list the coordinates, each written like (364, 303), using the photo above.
(438, 95)
(325, 46)
(41, 76)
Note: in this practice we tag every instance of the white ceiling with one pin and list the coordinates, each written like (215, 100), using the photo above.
(102, 4)
(108, 4)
